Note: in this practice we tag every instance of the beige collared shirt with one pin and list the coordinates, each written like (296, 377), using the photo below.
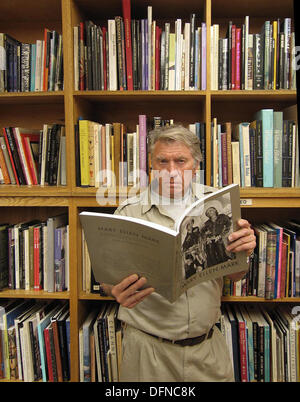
(196, 310)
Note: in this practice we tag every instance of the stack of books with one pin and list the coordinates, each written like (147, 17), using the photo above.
(275, 268)
(35, 255)
(31, 157)
(31, 66)
(108, 155)
(35, 341)
(128, 54)
(263, 152)
(262, 342)
(253, 61)
(100, 345)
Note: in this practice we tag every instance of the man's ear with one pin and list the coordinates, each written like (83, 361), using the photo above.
(195, 168)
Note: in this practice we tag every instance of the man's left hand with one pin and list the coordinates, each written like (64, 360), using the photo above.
(242, 239)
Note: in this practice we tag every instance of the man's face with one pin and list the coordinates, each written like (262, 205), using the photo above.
(174, 166)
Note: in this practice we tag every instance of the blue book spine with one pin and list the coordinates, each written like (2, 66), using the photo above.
(32, 67)
(266, 115)
(267, 353)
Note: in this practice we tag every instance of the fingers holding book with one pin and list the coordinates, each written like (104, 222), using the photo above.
(242, 239)
(128, 292)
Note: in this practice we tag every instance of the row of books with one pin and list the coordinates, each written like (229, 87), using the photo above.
(100, 345)
(34, 255)
(107, 155)
(261, 153)
(31, 66)
(35, 340)
(275, 267)
(263, 342)
(31, 157)
(139, 54)
(244, 60)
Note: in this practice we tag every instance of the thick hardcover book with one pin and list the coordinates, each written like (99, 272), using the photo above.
(196, 248)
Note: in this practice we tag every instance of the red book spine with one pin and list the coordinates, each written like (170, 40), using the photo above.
(29, 160)
(48, 354)
(46, 66)
(157, 56)
(243, 352)
(128, 46)
(283, 268)
(36, 258)
(104, 31)
(18, 146)
(233, 56)
(238, 59)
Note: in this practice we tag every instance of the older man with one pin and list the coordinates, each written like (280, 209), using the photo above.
(177, 341)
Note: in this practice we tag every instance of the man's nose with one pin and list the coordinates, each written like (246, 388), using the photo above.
(172, 169)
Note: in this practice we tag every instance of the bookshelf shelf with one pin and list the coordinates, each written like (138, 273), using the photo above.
(34, 191)
(135, 96)
(253, 95)
(33, 200)
(254, 299)
(92, 296)
(33, 294)
(10, 98)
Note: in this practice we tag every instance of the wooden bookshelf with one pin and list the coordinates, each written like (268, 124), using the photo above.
(33, 109)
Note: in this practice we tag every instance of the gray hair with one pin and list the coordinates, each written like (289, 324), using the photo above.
(176, 132)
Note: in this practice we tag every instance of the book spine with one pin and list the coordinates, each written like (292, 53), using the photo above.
(238, 59)
(143, 149)
(128, 42)
(3, 166)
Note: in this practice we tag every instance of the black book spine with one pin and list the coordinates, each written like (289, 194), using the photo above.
(229, 66)
(14, 151)
(25, 67)
(53, 155)
(259, 154)
(4, 256)
(220, 64)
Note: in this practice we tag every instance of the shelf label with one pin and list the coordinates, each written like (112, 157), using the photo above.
(245, 202)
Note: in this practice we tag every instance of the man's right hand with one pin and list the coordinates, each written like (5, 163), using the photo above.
(127, 292)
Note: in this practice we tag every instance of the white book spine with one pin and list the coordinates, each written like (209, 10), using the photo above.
(112, 55)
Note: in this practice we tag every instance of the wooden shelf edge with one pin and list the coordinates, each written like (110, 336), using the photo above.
(33, 294)
(136, 93)
(255, 299)
(34, 191)
(93, 296)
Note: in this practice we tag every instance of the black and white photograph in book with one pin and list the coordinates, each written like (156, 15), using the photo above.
(205, 235)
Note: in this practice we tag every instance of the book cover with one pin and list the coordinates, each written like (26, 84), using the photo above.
(142, 245)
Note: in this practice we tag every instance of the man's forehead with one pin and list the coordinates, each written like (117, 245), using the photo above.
(174, 148)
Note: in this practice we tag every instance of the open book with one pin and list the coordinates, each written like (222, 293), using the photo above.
(171, 260)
